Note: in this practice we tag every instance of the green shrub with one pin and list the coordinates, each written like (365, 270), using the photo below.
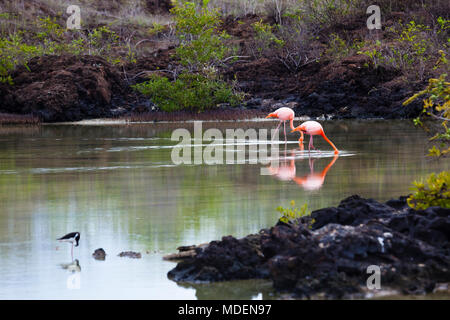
(155, 29)
(189, 91)
(201, 43)
(337, 47)
(201, 49)
(265, 40)
(436, 106)
(328, 12)
(100, 41)
(410, 50)
(13, 51)
(16, 50)
(293, 213)
(434, 193)
(291, 43)
(48, 27)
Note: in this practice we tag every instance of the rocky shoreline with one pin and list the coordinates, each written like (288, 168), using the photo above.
(328, 253)
(73, 88)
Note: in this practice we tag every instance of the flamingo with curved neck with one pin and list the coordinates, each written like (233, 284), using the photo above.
(283, 114)
(286, 171)
(314, 181)
(313, 128)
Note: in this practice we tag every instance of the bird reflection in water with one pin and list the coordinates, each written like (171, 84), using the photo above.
(286, 171)
(73, 280)
(72, 267)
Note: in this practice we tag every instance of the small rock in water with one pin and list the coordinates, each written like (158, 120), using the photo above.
(130, 254)
(99, 254)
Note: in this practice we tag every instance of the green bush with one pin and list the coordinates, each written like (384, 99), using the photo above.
(436, 106)
(16, 50)
(48, 27)
(13, 51)
(201, 43)
(329, 12)
(412, 46)
(101, 40)
(201, 49)
(291, 43)
(434, 193)
(337, 47)
(293, 213)
(265, 40)
(189, 91)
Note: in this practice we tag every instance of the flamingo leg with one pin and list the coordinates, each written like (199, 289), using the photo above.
(300, 142)
(311, 165)
(276, 130)
(311, 143)
(285, 137)
(71, 253)
(301, 138)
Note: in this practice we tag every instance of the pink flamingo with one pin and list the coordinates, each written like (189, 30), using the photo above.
(283, 114)
(313, 128)
(314, 181)
(286, 171)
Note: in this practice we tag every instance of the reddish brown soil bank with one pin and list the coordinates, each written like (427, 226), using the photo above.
(64, 88)
(71, 88)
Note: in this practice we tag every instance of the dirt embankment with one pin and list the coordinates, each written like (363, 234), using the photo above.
(70, 88)
(330, 258)
(64, 88)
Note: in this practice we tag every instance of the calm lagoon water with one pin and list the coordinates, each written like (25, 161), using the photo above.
(117, 185)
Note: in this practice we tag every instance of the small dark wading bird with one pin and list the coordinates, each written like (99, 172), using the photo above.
(73, 238)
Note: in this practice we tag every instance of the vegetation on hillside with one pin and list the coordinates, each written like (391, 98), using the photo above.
(436, 106)
(112, 29)
(197, 84)
(293, 32)
(435, 192)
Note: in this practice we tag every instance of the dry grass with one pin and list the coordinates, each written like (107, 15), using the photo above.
(239, 8)
(114, 13)
(131, 20)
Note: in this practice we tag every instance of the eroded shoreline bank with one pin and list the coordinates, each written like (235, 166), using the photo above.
(73, 88)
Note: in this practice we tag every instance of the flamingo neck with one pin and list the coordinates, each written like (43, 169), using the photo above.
(336, 151)
(325, 170)
(291, 123)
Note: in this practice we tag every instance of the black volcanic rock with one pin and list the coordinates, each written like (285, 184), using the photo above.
(130, 254)
(329, 252)
(99, 254)
(353, 211)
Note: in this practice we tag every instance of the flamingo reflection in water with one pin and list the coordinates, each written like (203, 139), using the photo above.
(286, 171)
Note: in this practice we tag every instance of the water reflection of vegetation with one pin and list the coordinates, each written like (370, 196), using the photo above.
(162, 207)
